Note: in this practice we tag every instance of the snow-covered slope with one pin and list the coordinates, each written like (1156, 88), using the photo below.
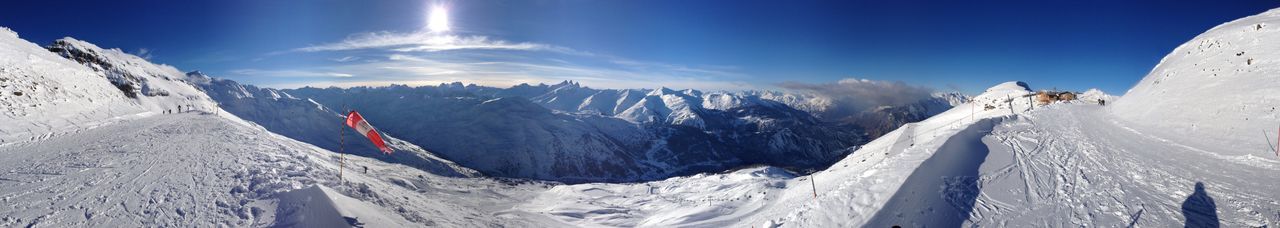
(88, 154)
(572, 133)
(310, 122)
(602, 135)
(1095, 95)
(1012, 164)
(43, 94)
(208, 170)
(1219, 85)
(1066, 164)
(1000, 160)
(319, 206)
(844, 195)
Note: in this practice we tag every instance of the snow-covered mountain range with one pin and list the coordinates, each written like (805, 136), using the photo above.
(92, 137)
(563, 132)
(572, 133)
(307, 121)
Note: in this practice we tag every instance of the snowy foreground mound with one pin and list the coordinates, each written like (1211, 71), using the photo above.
(1221, 85)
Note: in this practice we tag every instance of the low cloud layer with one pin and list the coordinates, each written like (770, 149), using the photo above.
(851, 96)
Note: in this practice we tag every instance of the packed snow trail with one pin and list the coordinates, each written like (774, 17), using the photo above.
(165, 170)
(1075, 165)
(200, 169)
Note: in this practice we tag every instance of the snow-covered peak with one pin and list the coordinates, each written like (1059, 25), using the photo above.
(692, 92)
(7, 33)
(666, 106)
(1010, 86)
(1095, 94)
(131, 74)
(1221, 84)
(726, 101)
(85, 85)
(1005, 91)
(198, 78)
(661, 91)
(953, 98)
(801, 101)
(566, 84)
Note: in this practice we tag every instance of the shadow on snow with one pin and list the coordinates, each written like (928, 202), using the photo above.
(943, 190)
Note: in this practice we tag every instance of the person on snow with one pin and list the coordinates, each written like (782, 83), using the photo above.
(1102, 102)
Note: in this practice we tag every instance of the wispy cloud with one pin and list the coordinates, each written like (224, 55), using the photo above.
(430, 42)
(427, 58)
(420, 70)
(289, 73)
(346, 59)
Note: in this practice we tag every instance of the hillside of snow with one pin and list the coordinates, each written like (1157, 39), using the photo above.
(1181, 148)
(1018, 164)
(44, 94)
(101, 143)
(1221, 85)
(846, 194)
(310, 122)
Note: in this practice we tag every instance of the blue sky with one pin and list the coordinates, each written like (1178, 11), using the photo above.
(965, 45)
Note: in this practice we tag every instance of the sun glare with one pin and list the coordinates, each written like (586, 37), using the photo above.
(438, 19)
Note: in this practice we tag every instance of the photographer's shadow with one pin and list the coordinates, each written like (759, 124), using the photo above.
(1199, 209)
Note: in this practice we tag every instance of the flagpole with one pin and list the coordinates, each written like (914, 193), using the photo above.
(341, 144)
(814, 182)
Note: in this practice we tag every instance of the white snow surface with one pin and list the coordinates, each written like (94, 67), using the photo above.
(1150, 160)
(319, 206)
(1221, 85)
(207, 170)
(43, 94)
(847, 194)
(78, 152)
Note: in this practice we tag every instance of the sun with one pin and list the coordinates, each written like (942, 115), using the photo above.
(438, 19)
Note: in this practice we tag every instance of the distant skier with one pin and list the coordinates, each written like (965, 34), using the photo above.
(366, 169)
(1102, 102)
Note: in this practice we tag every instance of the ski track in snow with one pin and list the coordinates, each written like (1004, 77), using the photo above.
(1071, 166)
(149, 172)
(194, 169)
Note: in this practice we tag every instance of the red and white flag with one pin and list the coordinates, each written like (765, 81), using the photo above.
(355, 121)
